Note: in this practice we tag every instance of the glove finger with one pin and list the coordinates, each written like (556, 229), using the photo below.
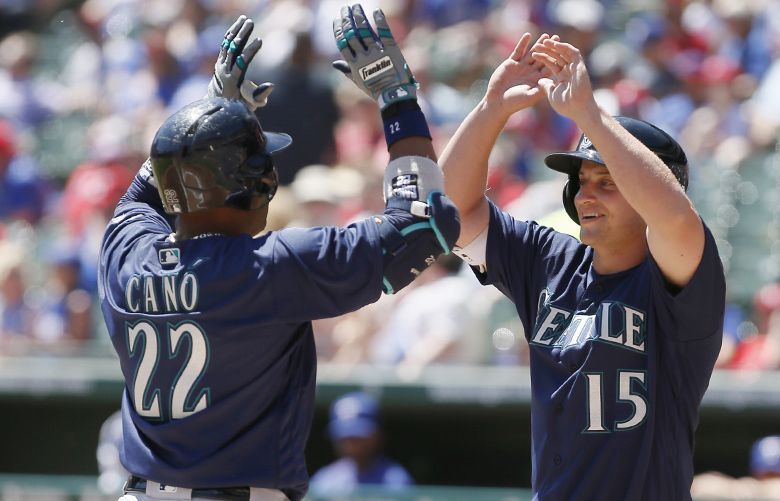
(243, 60)
(382, 28)
(261, 93)
(341, 42)
(239, 42)
(350, 30)
(365, 32)
(343, 67)
(229, 35)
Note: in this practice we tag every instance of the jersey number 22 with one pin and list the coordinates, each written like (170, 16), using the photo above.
(143, 341)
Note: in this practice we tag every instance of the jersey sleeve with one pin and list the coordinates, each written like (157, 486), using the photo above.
(698, 307)
(325, 272)
(522, 256)
(139, 215)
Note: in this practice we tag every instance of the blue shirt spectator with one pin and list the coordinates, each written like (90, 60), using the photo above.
(22, 190)
(357, 437)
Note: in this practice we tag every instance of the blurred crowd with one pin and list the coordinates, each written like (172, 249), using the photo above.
(85, 84)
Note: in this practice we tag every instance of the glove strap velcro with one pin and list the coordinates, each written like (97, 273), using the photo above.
(413, 207)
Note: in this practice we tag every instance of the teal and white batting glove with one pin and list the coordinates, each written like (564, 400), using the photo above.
(235, 55)
(372, 59)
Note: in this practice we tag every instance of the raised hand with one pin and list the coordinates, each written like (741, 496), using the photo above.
(372, 59)
(568, 87)
(514, 84)
(235, 55)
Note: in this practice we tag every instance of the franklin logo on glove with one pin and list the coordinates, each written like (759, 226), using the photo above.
(377, 68)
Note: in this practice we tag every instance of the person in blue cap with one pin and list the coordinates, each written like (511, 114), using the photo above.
(765, 458)
(762, 483)
(356, 433)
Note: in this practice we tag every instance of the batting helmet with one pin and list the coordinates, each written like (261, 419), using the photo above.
(212, 153)
(656, 140)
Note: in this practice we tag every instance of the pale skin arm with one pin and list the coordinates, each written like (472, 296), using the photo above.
(675, 233)
(513, 87)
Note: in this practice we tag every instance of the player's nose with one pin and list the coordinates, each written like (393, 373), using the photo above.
(585, 193)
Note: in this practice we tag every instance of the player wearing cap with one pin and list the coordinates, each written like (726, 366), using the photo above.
(623, 326)
(356, 432)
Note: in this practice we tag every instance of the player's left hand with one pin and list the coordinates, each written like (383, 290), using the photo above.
(372, 59)
(568, 87)
(235, 55)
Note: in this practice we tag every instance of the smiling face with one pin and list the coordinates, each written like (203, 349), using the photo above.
(608, 223)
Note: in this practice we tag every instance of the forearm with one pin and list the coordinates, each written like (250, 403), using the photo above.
(412, 146)
(465, 165)
(647, 184)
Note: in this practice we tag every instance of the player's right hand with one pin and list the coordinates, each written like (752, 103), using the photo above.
(514, 85)
(235, 55)
(372, 59)
(568, 86)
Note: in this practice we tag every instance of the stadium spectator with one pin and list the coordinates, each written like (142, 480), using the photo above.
(761, 350)
(300, 87)
(64, 307)
(23, 192)
(16, 315)
(356, 433)
(762, 483)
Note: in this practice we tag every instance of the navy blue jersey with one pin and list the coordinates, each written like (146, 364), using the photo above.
(619, 363)
(215, 341)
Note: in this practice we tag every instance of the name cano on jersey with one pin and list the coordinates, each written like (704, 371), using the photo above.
(614, 323)
(170, 293)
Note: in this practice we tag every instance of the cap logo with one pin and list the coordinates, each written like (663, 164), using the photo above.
(585, 143)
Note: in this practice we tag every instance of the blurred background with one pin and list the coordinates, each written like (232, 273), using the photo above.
(85, 84)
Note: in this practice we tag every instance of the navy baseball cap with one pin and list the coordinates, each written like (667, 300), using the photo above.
(765, 456)
(354, 415)
(568, 162)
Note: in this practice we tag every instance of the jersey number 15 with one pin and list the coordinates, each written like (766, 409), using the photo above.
(625, 380)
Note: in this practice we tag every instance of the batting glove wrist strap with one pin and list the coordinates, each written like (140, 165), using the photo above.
(410, 123)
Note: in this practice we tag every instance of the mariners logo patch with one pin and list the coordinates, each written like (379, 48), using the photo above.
(585, 143)
(405, 186)
(376, 68)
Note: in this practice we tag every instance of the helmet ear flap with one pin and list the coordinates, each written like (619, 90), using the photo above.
(569, 191)
(269, 182)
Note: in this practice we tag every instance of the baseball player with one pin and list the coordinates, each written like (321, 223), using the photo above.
(211, 322)
(623, 327)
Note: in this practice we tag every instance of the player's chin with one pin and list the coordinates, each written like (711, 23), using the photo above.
(589, 234)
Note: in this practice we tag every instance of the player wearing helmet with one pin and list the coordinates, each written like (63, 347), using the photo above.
(623, 327)
(211, 322)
